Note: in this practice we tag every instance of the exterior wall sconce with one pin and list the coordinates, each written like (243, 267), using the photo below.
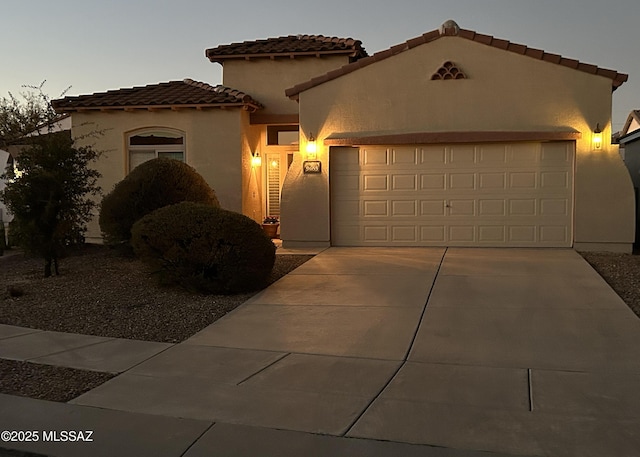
(597, 138)
(311, 148)
(256, 160)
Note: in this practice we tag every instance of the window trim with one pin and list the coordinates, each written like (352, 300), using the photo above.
(155, 148)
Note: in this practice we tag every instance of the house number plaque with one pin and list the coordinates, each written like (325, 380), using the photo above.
(312, 166)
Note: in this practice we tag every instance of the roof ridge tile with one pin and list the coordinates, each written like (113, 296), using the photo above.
(289, 45)
(450, 28)
(172, 93)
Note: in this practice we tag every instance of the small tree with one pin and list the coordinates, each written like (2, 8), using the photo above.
(20, 116)
(49, 197)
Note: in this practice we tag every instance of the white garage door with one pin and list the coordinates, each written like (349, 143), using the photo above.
(518, 194)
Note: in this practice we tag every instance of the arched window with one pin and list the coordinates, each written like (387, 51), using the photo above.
(149, 144)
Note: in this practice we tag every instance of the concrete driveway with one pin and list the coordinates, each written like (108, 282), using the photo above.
(513, 351)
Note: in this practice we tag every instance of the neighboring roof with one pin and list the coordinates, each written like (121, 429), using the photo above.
(174, 94)
(450, 28)
(633, 116)
(629, 137)
(61, 123)
(288, 46)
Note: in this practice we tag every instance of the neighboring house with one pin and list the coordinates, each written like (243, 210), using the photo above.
(9, 158)
(453, 138)
(629, 139)
(6, 161)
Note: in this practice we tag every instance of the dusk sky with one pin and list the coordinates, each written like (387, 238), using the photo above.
(94, 46)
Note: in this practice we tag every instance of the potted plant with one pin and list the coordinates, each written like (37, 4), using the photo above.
(270, 226)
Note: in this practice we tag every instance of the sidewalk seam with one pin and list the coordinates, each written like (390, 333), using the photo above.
(406, 356)
(263, 368)
(197, 439)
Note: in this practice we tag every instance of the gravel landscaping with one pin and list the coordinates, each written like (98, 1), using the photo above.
(622, 273)
(102, 293)
(47, 382)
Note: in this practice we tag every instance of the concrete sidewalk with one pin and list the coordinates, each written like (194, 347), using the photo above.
(514, 351)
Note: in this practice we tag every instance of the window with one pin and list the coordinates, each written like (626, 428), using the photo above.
(149, 144)
(282, 135)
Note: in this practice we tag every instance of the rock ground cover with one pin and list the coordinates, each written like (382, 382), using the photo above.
(100, 292)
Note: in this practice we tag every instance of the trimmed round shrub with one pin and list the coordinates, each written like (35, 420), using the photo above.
(149, 186)
(205, 248)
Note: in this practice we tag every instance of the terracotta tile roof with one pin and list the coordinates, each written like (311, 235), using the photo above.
(187, 93)
(450, 28)
(288, 46)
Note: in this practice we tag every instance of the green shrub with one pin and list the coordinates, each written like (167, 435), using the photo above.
(205, 248)
(149, 186)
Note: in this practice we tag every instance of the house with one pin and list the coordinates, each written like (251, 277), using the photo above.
(453, 138)
(8, 159)
(629, 138)
(240, 136)
(5, 162)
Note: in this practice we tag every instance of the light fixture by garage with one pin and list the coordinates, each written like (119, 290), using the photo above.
(597, 138)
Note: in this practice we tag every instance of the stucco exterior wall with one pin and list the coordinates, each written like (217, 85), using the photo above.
(266, 80)
(503, 91)
(213, 146)
(252, 180)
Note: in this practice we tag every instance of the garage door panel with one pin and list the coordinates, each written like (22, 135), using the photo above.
(462, 207)
(553, 234)
(346, 210)
(347, 235)
(491, 234)
(432, 234)
(467, 195)
(523, 207)
(405, 233)
(492, 155)
(491, 207)
(408, 156)
(375, 183)
(345, 184)
(523, 180)
(376, 233)
(404, 208)
(375, 208)
(462, 155)
(554, 179)
(462, 234)
(524, 153)
(432, 208)
(404, 182)
(462, 181)
(433, 181)
(375, 157)
(492, 181)
(433, 155)
(554, 207)
(522, 234)
(556, 154)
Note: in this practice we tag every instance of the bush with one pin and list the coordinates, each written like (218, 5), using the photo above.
(205, 248)
(149, 186)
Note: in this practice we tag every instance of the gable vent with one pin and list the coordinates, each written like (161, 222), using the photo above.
(448, 70)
